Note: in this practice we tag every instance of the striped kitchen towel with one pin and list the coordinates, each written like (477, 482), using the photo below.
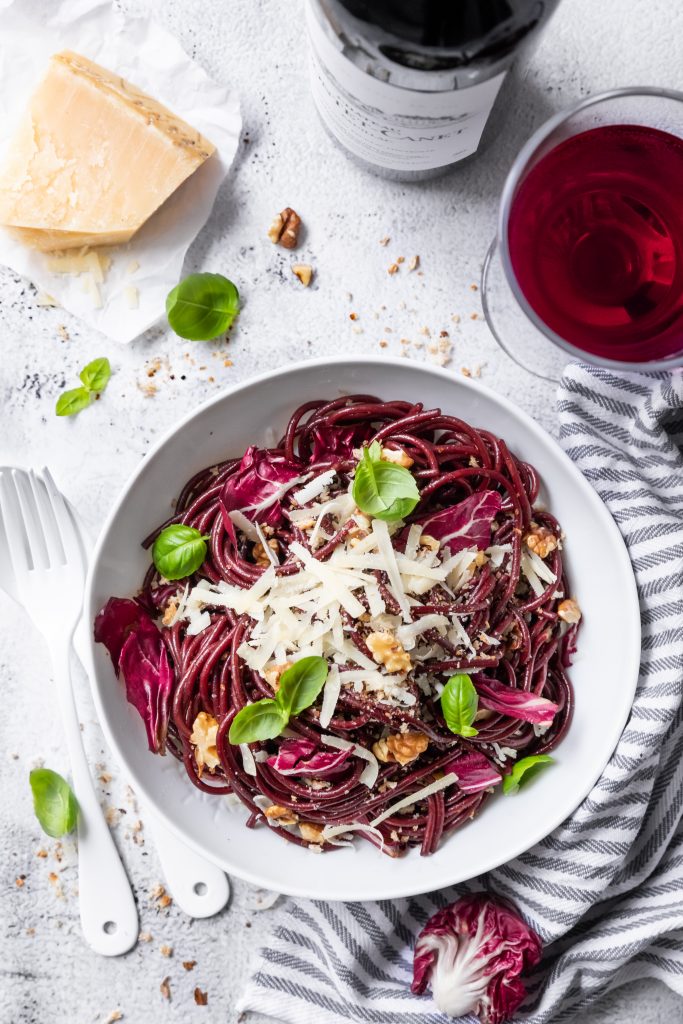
(605, 890)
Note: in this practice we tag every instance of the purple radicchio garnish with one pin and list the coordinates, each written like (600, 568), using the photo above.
(475, 772)
(138, 653)
(520, 704)
(256, 487)
(337, 443)
(304, 757)
(467, 524)
(473, 953)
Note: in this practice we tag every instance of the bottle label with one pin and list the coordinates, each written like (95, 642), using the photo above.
(394, 128)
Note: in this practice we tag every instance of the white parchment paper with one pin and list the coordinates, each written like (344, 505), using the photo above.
(148, 56)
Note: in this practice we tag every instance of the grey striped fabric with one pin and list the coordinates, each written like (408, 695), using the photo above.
(605, 890)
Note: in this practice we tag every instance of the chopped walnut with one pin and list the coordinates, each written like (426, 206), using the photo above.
(280, 815)
(170, 612)
(310, 832)
(541, 541)
(569, 611)
(481, 558)
(203, 736)
(397, 456)
(429, 542)
(381, 751)
(259, 552)
(388, 651)
(284, 229)
(304, 272)
(272, 674)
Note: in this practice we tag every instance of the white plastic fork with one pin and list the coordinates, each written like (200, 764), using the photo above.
(49, 572)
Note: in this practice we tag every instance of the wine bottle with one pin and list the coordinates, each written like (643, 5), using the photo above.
(406, 86)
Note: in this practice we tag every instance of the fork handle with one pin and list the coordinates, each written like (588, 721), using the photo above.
(109, 917)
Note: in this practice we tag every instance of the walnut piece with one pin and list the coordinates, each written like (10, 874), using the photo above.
(304, 272)
(310, 832)
(280, 815)
(284, 229)
(429, 542)
(203, 737)
(569, 611)
(397, 456)
(259, 552)
(402, 747)
(541, 541)
(170, 612)
(272, 674)
(388, 651)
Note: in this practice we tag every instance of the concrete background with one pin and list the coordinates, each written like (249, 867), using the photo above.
(46, 973)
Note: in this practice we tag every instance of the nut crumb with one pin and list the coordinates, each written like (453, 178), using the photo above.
(63, 333)
(474, 287)
(145, 937)
(383, 343)
(474, 316)
(353, 316)
(400, 260)
(455, 317)
(414, 263)
(465, 371)
(304, 272)
(425, 331)
(114, 1016)
(189, 965)
(20, 881)
(284, 228)
(166, 950)
(165, 988)
(385, 240)
(42, 853)
(201, 998)
(393, 269)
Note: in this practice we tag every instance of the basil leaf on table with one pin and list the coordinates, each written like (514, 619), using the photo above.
(383, 489)
(299, 686)
(72, 402)
(263, 720)
(459, 704)
(524, 771)
(55, 805)
(301, 683)
(178, 551)
(202, 306)
(95, 375)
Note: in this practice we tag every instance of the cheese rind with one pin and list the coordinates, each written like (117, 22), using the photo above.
(93, 158)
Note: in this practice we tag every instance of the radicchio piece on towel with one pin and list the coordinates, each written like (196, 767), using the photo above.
(304, 757)
(138, 652)
(338, 442)
(256, 487)
(475, 772)
(473, 953)
(525, 706)
(467, 524)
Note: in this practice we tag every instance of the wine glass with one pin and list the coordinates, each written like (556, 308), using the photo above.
(588, 259)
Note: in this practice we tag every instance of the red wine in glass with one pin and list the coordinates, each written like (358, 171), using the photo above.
(595, 238)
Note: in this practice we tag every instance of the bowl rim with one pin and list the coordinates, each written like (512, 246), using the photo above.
(632, 628)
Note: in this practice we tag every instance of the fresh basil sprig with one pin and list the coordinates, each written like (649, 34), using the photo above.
(300, 684)
(524, 771)
(383, 489)
(55, 805)
(459, 704)
(202, 306)
(95, 377)
(179, 551)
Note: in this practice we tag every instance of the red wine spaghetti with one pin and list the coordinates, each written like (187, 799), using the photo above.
(467, 592)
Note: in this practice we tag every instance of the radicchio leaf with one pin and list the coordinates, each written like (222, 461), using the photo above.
(304, 757)
(467, 524)
(138, 652)
(527, 707)
(473, 953)
(331, 442)
(475, 772)
(256, 486)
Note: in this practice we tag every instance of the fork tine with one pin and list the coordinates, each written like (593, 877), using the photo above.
(68, 531)
(17, 541)
(53, 543)
(37, 545)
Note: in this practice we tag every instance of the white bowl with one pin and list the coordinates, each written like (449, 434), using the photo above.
(604, 673)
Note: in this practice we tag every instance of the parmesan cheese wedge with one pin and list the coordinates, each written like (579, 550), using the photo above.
(93, 158)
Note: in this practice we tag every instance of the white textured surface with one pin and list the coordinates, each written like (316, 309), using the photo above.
(46, 973)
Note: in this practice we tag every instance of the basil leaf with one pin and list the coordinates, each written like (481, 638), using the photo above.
(524, 771)
(95, 375)
(202, 306)
(72, 402)
(263, 720)
(301, 683)
(383, 489)
(55, 805)
(459, 703)
(178, 551)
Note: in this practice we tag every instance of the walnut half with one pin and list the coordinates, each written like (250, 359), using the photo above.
(541, 541)
(203, 737)
(569, 611)
(284, 229)
(402, 747)
(388, 651)
(279, 815)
